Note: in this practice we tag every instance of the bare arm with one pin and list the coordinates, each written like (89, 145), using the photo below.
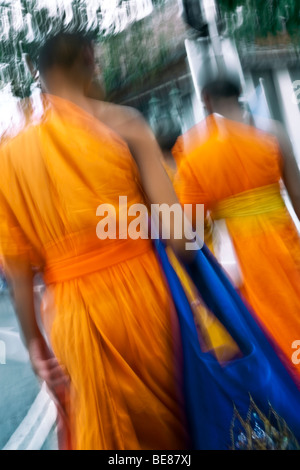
(290, 172)
(45, 365)
(20, 278)
(156, 183)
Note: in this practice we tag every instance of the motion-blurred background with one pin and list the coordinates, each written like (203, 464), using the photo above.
(154, 56)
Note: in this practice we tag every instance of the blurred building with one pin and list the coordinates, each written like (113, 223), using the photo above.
(272, 70)
(147, 66)
(146, 53)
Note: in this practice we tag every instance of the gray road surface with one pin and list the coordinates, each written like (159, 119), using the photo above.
(27, 415)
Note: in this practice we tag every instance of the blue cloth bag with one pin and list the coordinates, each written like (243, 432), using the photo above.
(214, 393)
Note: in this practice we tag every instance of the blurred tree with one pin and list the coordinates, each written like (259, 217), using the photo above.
(23, 27)
(252, 19)
(25, 23)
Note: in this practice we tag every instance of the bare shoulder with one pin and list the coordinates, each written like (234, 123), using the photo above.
(122, 119)
(278, 131)
(283, 139)
(131, 126)
(272, 127)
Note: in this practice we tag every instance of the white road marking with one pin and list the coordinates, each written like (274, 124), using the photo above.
(44, 428)
(15, 349)
(36, 425)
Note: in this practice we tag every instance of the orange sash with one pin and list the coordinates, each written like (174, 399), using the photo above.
(71, 265)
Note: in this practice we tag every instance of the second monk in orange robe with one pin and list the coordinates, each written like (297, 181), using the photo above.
(238, 172)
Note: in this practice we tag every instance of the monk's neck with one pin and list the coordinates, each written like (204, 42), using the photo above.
(73, 93)
(232, 115)
(230, 109)
(71, 88)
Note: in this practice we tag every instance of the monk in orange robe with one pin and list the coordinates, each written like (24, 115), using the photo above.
(109, 349)
(238, 171)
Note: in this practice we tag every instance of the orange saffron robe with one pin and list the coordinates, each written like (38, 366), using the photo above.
(106, 310)
(221, 160)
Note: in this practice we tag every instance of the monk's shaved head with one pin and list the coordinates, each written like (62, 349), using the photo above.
(221, 88)
(221, 94)
(62, 50)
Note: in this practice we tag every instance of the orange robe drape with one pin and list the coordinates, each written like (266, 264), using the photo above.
(106, 310)
(218, 159)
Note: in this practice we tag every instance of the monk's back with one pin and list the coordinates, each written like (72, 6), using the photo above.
(56, 173)
(228, 158)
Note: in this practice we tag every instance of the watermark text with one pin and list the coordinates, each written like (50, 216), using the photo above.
(296, 354)
(166, 222)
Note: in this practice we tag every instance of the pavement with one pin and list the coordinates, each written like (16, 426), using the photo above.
(27, 414)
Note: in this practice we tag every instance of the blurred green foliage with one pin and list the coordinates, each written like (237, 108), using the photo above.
(16, 42)
(140, 51)
(263, 18)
